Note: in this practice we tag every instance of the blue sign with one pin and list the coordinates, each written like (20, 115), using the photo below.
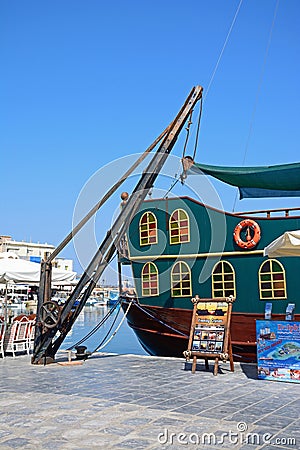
(36, 259)
(278, 350)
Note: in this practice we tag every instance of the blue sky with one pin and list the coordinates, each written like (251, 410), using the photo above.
(85, 83)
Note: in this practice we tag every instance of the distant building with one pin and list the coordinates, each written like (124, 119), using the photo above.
(26, 250)
(63, 264)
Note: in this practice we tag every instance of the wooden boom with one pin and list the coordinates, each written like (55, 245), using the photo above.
(53, 322)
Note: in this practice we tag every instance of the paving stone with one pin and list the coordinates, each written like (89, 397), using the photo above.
(4, 433)
(289, 411)
(55, 444)
(135, 421)
(16, 443)
(117, 431)
(190, 409)
(80, 407)
(137, 444)
(286, 438)
(168, 421)
(151, 431)
(273, 447)
(281, 421)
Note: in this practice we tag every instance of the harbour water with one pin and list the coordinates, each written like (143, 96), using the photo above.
(123, 342)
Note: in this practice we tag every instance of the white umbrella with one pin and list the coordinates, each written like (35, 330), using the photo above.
(16, 270)
(288, 244)
(9, 255)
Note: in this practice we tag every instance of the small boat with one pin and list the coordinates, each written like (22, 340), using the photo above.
(92, 301)
(113, 297)
(101, 302)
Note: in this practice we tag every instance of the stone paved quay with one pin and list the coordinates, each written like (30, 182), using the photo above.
(137, 402)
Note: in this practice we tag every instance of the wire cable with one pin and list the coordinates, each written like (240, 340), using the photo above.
(108, 333)
(100, 347)
(160, 321)
(188, 127)
(171, 187)
(223, 48)
(198, 129)
(258, 93)
(97, 327)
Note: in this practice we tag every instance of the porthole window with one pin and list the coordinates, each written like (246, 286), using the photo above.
(223, 280)
(272, 283)
(149, 280)
(179, 227)
(148, 229)
(181, 280)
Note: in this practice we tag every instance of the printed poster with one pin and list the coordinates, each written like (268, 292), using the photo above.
(211, 313)
(278, 350)
(209, 327)
(208, 339)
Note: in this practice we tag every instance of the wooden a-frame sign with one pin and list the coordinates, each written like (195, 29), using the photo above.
(210, 332)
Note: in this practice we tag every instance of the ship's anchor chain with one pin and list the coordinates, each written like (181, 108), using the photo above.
(50, 314)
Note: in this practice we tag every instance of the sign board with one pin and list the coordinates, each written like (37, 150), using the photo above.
(36, 259)
(278, 350)
(210, 331)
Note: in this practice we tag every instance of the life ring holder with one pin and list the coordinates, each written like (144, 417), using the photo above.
(251, 241)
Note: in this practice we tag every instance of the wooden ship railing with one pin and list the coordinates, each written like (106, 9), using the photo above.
(268, 212)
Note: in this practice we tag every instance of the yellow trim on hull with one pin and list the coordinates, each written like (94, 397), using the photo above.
(197, 255)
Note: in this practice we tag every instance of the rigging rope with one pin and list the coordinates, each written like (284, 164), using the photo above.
(223, 48)
(110, 328)
(198, 129)
(169, 320)
(172, 186)
(160, 321)
(187, 132)
(96, 328)
(176, 179)
(183, 176)
(100, 347)
(258, 93)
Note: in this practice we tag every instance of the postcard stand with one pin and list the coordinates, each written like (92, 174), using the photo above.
(210, 332)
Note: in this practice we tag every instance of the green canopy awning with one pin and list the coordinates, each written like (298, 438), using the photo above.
(254, 182)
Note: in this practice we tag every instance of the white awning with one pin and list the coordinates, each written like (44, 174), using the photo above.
(288, 244)
(21, 271)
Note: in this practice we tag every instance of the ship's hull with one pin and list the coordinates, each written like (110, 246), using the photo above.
(212, 261)
(165, 331)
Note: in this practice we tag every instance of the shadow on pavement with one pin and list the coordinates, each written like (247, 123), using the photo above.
(250, 370)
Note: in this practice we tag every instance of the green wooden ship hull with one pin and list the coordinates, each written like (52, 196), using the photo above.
(161, 320)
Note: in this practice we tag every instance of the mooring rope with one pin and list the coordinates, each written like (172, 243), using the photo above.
(96, 328)
(160, 321)
(101, 346)
(108, 333)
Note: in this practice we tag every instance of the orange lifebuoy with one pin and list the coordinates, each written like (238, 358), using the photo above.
(252, 235)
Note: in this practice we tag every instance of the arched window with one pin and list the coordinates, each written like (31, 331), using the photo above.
(149, 280)
(272, 283)
(179, 227)
(148, 229)
(181, 280)
(223, 280)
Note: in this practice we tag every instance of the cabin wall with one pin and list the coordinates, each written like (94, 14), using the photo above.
(211, 233)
